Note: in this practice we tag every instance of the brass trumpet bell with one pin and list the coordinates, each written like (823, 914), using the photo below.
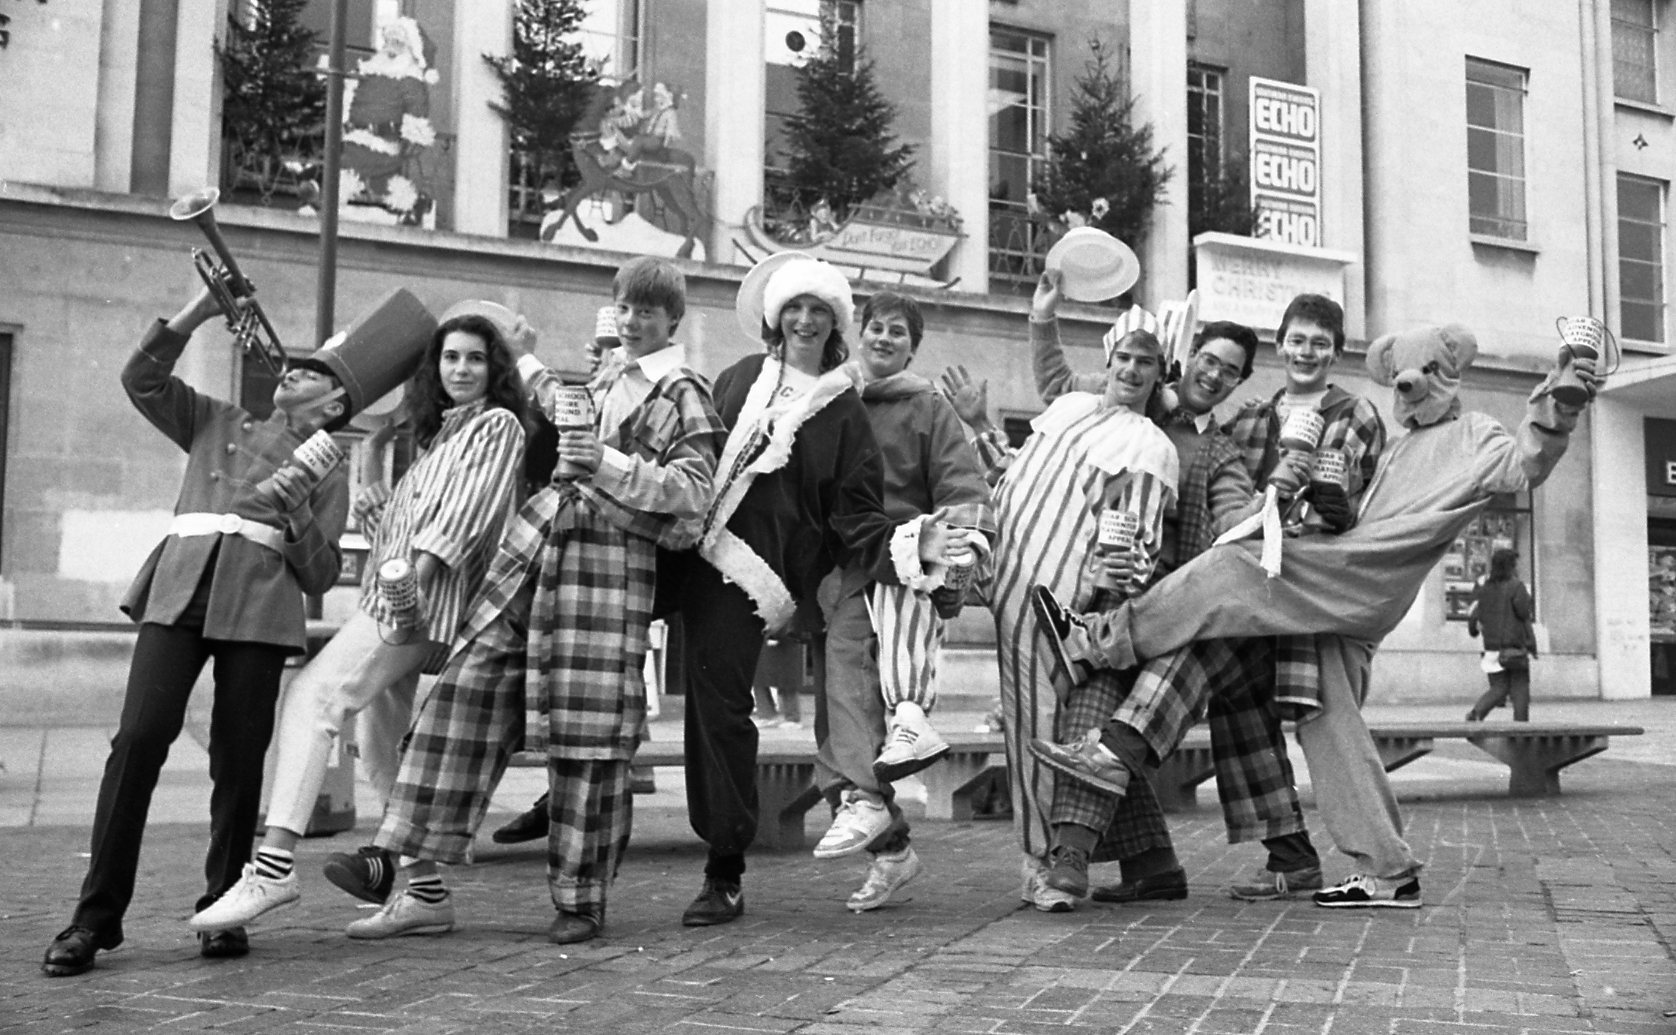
(227, 283)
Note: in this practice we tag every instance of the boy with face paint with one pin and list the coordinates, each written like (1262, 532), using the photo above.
(884, 640)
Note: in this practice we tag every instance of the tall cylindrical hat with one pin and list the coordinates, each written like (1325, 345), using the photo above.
(379, 350)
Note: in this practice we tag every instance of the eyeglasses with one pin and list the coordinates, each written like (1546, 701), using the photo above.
(1210, 364)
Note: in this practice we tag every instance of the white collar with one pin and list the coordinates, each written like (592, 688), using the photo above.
(656, 365)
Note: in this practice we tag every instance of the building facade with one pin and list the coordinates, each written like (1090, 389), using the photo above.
(1453, 176)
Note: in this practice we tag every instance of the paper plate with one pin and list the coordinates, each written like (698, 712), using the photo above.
(1096, 265)
(497, 314)
(751, 289)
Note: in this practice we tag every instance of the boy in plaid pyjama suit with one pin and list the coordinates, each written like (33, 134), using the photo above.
(552, 654)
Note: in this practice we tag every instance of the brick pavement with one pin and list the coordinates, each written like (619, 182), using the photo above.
(1548, 915)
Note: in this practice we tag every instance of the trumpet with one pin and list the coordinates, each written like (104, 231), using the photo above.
(251, 330)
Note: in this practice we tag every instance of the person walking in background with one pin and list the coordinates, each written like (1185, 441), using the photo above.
(1503, 611)
(465, 405)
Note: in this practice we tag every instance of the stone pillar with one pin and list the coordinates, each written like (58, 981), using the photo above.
(154, 96)
(481, 140)
(1617, 471)
(734, 78)
(1333, 65)
(959, 159)
(119, 55)
(195, 128)
(1158, 80)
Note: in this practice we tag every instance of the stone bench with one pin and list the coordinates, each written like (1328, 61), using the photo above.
(1534, 752)
(786, 781)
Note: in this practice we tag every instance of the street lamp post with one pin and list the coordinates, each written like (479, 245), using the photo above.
(326, 290)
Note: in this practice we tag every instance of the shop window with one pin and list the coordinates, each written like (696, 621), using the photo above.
(1506, 522)
(1635, 39)
(1641, 204)
(1019, 125)
(1495, 96)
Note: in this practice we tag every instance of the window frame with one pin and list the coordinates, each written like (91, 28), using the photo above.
(1012, 250)
(1659, 264)
(1625, 34)
(1510, 219)
(1200, 143)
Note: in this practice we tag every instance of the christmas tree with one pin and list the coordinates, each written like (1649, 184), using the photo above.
(548, 83)
(1218, 194)
(273, 103)
(1102, 171)
(840, 142)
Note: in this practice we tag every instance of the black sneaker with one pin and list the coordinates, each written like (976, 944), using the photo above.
(1068, 870)
(1059, 624)
(721, 902)
(527, 826)
(369, 874)
(1364, 892)
(227, 944)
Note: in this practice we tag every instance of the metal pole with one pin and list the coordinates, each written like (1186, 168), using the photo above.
(326, 292)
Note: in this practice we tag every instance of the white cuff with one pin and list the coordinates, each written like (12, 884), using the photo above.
(529, 366)
(613, 470)
(904, 557)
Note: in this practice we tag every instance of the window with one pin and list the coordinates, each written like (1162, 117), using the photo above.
(1204, 122)
(791, 30)
(1635, 36)
(1641, 258)
(610, 36)
(1018, 132)
(1495, 96)
(1506, 522)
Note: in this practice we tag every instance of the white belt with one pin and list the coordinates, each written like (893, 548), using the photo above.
(185, 525)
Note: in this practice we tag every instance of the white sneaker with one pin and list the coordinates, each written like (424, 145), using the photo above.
(252, 896)
(1035, 891)
(404, 914)
(912, 745)
(887, 874)
(858, 823)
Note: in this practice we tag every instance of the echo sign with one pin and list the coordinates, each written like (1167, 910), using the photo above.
(1286, 161)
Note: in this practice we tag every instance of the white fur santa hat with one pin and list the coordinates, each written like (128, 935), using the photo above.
(809, 277)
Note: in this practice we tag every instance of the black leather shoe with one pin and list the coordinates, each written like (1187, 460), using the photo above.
(369, 874)
(528, 826)
(223, 945)
(1169, 885)
(721, 902)
(72, 952)
(579, 925)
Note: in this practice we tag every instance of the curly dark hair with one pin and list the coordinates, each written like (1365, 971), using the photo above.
(426, 399)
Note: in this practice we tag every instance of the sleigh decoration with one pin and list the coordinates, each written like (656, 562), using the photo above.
(904, 235)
